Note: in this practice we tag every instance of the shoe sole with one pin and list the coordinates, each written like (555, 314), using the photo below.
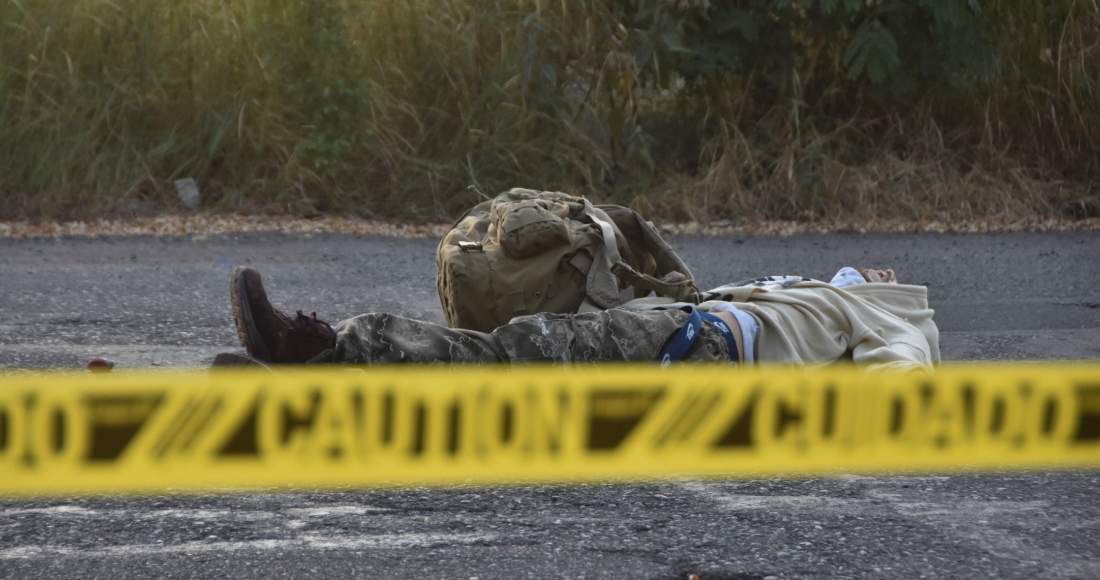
(242, 317)
(235, 359)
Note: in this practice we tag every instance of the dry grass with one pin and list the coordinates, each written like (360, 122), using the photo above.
(923, 183)
(391, 109)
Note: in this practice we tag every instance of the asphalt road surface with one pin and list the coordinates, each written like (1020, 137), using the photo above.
(163, 301)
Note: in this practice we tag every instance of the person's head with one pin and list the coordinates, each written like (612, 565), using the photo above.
(882, 276)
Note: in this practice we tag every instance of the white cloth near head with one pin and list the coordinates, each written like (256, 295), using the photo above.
(847, 277)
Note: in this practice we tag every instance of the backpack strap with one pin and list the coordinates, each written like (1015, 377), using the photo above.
(681, 291)
(665, 257)
(685, 337)
(602, 288)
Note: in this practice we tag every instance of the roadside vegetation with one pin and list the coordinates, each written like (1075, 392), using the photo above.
(690, 110)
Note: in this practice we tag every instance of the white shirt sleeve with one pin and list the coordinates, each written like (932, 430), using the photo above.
(847, 277)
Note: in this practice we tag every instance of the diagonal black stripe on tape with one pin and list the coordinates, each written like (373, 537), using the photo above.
(615, 414)
(114, 421)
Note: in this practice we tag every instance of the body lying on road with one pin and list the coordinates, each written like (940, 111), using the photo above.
(863, 316)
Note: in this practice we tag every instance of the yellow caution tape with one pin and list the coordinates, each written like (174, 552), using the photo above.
(153, 432)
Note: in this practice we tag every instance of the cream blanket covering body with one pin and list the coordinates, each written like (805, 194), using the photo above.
(811, 323)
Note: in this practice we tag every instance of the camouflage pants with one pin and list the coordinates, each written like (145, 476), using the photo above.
(620, 334)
